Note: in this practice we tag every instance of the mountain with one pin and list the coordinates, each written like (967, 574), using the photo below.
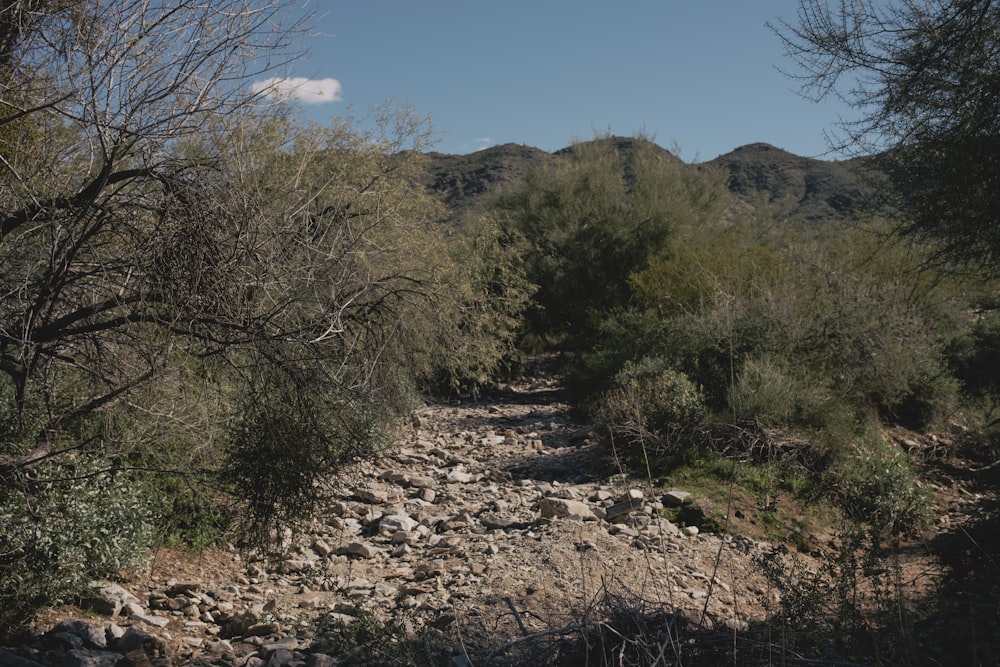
(814, 190)
(810, 189)
(461, 180)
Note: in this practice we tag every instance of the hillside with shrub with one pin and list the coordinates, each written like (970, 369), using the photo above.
(213, 314)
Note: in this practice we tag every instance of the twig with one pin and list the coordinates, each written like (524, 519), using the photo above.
(517, 617)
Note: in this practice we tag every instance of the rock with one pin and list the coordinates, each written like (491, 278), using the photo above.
(565, 508)
(183, 588)
(106, 598)
(624, 507)
(90, 636)
(150, 619)
(219, 646)
(289, 643)
(113, 633)
(280, 658)
(421, 481)
(438, 525)
(8, 659)
(65, 641)
(373, 496)
(675, 498)
(263, 629)
(691, 530)
(138, 639)
(600, 495)
(85, 658)
(241, 622)
(459, 476)
(396, 522)
(494, 522)
(362, 549)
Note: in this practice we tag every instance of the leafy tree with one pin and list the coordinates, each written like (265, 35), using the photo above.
(925, 79)
(591, 219)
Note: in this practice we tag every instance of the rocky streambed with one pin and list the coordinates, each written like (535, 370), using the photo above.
(493, 522)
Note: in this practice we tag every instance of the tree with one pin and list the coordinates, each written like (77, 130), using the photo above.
(591, 219)
(105, 226)
(925, 78)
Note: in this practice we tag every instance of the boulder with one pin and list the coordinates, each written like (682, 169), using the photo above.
(565, 508)
(106, 598)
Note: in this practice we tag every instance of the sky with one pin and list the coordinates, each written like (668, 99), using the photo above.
(701, 77)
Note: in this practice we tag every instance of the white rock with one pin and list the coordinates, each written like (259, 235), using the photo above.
(394, 523)
(675, 498)
(149, 619)
(459, 476)
(565, 508)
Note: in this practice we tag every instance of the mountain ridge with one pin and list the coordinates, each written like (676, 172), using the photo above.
(759, 173)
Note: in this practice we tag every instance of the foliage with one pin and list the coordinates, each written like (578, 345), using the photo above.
(293, 429)
(975, 356)
(197, 287)
(878, 486)
(370, 640)
(652, 411)
(816, 340)
(591, 219)
(851, 608)
(768, 391)
(966, 600)
(826, 325)
(924, 79)
(470, 331)
(66, 524)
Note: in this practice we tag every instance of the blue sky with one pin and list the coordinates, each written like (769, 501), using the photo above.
(697, 74)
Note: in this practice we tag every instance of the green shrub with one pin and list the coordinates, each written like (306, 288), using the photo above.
(293, 432)
(652, 410)
(768, 392)
(65, 525)
(877, 486)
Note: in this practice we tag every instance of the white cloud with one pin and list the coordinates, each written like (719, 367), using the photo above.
(483, 142)
(308, 91)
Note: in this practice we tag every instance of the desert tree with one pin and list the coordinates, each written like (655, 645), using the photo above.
(924, 78)
(98, 198)
(592, 218)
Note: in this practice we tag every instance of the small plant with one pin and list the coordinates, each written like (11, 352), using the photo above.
(852, 608)
(366, 639)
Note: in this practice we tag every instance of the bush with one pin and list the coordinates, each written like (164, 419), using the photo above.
(766, 391)
(877, 485)
(848, 610)
(652, 410)
(64, 526)
(293, 432)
